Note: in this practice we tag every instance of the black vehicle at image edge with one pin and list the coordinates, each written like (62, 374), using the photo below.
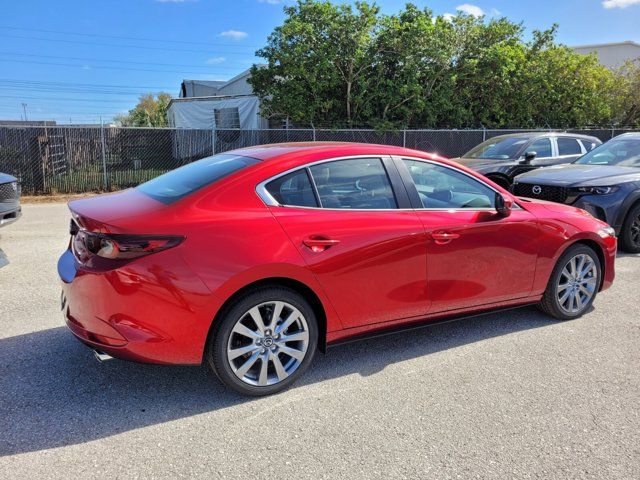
(9, 205)
(503, 157)
(605, 182)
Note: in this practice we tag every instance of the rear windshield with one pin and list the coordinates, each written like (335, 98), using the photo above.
(498, 148)
(178, 183)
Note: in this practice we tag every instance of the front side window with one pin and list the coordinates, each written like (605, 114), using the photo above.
(360, 183)
(542, 147)
(568, 146)
(293, 189)
(178, 183)
(442, 187)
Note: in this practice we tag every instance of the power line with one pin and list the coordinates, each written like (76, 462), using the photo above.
(102, 67)
(58, 99)
(79, 42)
(117, 61)
(77, 84)
(122, 37)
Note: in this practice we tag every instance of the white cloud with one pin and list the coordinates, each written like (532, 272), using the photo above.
(495, 12)
(215, 60)
(469, 9)
(619, 3)
(234, 34)
(448, 16)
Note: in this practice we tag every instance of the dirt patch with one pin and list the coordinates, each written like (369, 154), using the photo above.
(26, 199)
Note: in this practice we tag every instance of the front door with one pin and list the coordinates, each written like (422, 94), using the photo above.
(474, 256)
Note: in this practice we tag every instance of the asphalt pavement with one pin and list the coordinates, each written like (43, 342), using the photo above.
(505, 395)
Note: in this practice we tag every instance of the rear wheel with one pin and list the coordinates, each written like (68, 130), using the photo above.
(573, 284)
(265, 341)
(630, 234)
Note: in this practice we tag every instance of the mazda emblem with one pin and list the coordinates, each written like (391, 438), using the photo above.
(537, 189)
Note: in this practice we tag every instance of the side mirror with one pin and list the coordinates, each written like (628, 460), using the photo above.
(503, 205)
(529, 156)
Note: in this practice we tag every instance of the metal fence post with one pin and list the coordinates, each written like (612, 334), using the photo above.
(104, 157)
(213, 141)
(314, 134)
(484, 134)
(404, 138)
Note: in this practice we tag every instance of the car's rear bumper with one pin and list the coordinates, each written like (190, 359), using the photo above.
(140, 312)
(9, 215)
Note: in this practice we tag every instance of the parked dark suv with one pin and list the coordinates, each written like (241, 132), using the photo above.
(502, 158)
(9, 199)
(605, 182)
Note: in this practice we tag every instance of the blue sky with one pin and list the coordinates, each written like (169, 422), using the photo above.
(80, 60)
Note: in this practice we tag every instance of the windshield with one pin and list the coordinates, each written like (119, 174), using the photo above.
(624, 152)
(178, 183)
(498, 148)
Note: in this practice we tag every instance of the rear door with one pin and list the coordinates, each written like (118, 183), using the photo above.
(352, 223)
(474, 256)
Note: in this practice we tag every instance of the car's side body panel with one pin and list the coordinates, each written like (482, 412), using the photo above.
(383, 273)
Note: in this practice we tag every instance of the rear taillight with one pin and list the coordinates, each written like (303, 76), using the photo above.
(87, 245)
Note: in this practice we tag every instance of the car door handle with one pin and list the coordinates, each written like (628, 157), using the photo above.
(442, 238)
(319, 243)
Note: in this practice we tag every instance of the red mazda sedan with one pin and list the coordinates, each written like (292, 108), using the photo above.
(254, 259)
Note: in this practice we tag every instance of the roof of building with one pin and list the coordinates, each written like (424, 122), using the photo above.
(611, 44)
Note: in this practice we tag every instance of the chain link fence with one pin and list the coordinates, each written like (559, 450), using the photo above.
(74, 159)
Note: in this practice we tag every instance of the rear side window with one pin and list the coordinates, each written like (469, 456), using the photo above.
(568, 146)
(293, 189)
(179, 183)
(360, 183)
(588, 146)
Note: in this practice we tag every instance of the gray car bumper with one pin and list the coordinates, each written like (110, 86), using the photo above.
(10, 216)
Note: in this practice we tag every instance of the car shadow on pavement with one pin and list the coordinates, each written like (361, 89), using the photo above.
(53, 392)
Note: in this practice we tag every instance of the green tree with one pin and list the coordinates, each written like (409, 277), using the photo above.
(151, 111)
(627, 95)
(316, 61)
(337, 65)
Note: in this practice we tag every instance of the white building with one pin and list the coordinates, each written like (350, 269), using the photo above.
(612, 55)
(217, 104)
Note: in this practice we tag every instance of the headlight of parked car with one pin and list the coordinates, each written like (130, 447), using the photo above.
(597, 190)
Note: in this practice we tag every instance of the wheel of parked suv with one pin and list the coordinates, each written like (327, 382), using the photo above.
(264, 342)
(573, 284)
(630, 234)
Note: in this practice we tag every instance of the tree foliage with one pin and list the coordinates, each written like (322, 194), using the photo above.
(151, 111)
(342, 65)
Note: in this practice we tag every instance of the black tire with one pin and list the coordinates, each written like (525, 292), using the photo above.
(630, 233)
(216, 353)
(550, 303)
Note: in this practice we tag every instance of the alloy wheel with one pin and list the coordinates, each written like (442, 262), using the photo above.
(268, 343)
(635, 231)
(577, 283)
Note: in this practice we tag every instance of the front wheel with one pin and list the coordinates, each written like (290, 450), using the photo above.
(264, 342)
(573, 284)
(630, 233)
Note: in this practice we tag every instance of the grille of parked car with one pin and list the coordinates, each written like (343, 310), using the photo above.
(9, 192)
(543, 192)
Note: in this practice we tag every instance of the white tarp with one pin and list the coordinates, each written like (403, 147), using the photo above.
(200, 113)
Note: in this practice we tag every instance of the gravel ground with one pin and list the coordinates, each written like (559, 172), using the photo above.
(509, 395)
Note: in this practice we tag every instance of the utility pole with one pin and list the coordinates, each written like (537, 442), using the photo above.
(24, 110)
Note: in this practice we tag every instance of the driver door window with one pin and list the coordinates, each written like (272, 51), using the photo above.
(441, 187)
(542, 147)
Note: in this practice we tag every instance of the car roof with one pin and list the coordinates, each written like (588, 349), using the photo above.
(628, 135)
(546, 134)
(322, 149)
